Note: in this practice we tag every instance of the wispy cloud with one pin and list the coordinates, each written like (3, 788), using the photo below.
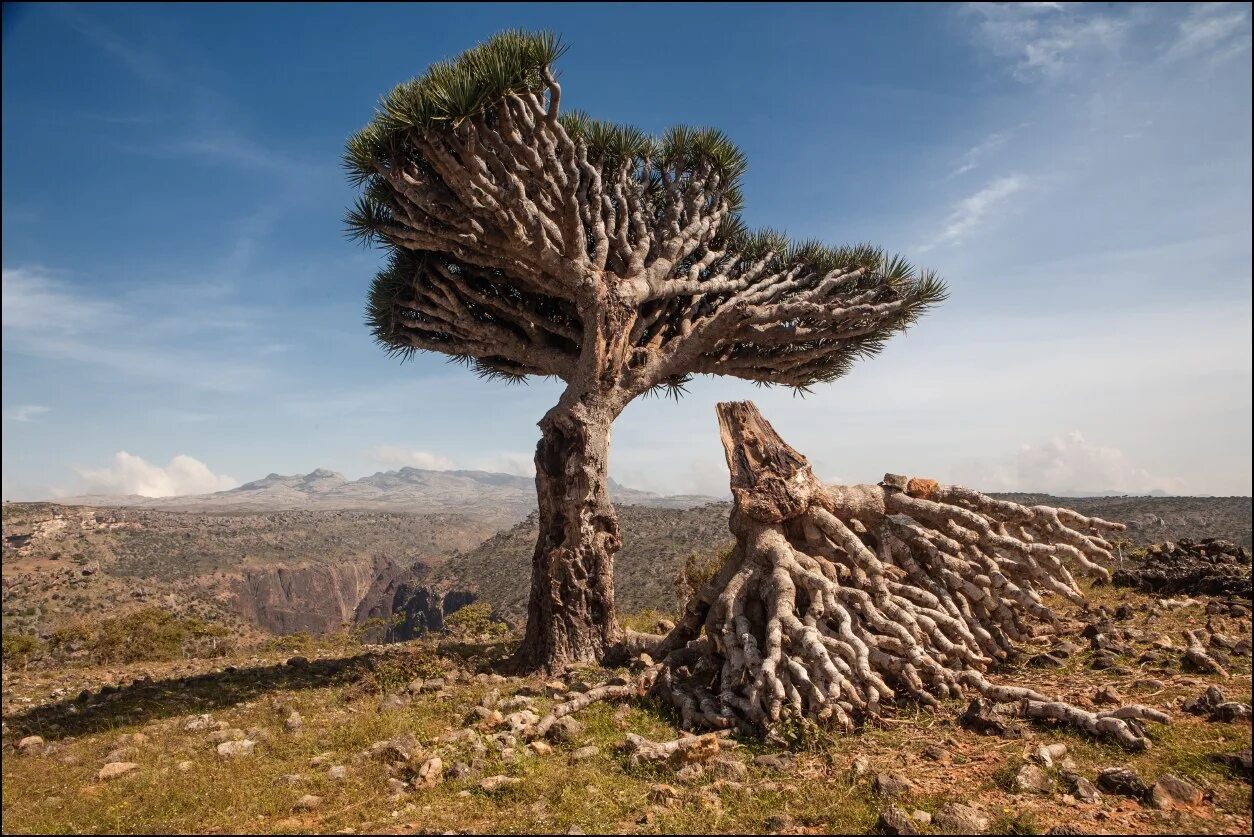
(131, 474)
(973, 157)
(47, 316)
(972, 211)
(1215, 31)
(25, 412)
(1046, 40)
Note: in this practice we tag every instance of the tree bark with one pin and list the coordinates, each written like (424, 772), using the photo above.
(570, 615)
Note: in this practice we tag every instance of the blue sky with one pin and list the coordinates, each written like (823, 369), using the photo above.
(183, 313)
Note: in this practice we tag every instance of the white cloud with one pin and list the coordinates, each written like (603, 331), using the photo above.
(971, 211)
(130, 474)
(506, 462)
(25, 412)
(1217, 31)
(1066, 464)
(398, 457)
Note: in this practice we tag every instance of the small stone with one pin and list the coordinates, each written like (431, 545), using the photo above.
(860, 766)
(553, 688)
(232, 734)
(495, 783)
(1173, 792)
(959, 818)
(431, 773)
(199, 723)
(934, 752)
(1122, 781)
(893, 820)
(1148, 684)
(338, 772)
(1238, 762)
(1045, 661)
(293, 722)
(308, 802)
(114, 769)
(185, 766)
(730, 768)
(663, 794)
(772, 761)
(121, 754)
(1107, 696)
(1231, 712)
(1085, 791)
(892, 784)
(391, 702)
(541, 748)
(298, 662)
(574, 829)
(1031, 779)
(235, 749)
(565, 730)
(690, 773)
(921, 817)
(30, 745)
(584, 753)
(519, 721)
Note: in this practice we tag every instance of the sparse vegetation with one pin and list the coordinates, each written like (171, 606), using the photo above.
(143, 635)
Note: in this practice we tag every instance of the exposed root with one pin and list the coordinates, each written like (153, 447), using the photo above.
(1197, 657)
(840, 599)
(687, 749)
(579, 701)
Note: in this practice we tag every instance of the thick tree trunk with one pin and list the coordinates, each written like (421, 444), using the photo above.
(570, 616)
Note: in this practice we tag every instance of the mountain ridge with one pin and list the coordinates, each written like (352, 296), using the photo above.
(504, 497)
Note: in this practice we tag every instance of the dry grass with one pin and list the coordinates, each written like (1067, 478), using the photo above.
(58, 792)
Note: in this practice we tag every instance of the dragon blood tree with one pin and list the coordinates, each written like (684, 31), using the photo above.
(839, 599)
(526, 241)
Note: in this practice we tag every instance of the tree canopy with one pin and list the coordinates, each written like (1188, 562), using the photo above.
(520, 237)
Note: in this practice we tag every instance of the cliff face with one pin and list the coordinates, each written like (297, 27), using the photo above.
(386, 599)
(318, 598)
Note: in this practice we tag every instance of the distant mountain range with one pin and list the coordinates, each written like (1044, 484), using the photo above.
(480, 493)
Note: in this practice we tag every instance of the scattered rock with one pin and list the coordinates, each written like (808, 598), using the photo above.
(392, 702)
(726, 767)
(1064, 829)
(185, 766)
(308, 802)
(584, 753)
(198, 724)
(234, 749)
(960, 819)
(663, 794)
(771, 761)
(519, 721)
(934, 752)
(1045, 661)
(1238, 762)
(232, 734)
(494, 783)
(860, 767)
(1207, 567)
(1031, 779)
(431, 773)
(541, 748)
(565, 730)
(893, 820)
(114, 769)
(338, 772)
(892, 784)
(1173, 792)
(921, 817)
(690, 773)
(1108, 696)
(982, 716)
(1122, 781)
(30, 745)
(293, 722)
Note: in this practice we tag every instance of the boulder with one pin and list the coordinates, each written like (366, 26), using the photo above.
(114, 769)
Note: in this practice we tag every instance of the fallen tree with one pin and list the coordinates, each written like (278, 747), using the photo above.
(838, 600)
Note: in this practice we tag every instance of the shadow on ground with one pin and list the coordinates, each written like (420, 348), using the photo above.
(146, 700)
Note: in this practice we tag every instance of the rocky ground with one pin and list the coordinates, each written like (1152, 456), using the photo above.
(424, 738)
